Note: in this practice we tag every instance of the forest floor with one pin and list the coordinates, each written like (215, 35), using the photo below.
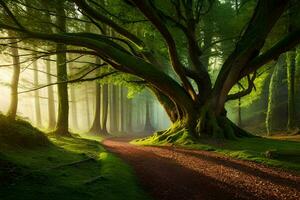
(36, 167)
(171, 173)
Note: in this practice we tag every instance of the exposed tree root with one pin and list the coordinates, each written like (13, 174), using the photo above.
(220, 129)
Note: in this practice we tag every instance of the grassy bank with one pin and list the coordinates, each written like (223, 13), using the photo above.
(279, 152)
(60, 168)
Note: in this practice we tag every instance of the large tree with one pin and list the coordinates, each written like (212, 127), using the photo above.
(192, 100)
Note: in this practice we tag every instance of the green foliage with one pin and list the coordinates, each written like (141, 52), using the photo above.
(132, 83)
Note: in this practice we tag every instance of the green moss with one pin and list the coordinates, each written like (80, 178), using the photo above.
(253, 149)
(46, 172)
(169, 137)
(20, 134)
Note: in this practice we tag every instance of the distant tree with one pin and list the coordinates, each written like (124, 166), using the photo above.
(104, 97)
(38, 118)
(96, 125)
(12, 111)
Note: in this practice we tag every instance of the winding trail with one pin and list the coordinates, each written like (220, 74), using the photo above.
(169, 173)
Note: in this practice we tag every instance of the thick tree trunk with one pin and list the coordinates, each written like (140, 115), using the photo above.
(51, 104)
(38, 119)
(203, 124)
(62, 125)
(291, 67)
(12, 111)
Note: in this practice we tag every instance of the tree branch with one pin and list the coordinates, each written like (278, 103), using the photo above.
(244, 92)
(96, 15)
(71, 81)
(147, 10)
(284, 45)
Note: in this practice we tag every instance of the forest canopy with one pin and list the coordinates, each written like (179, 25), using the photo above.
(194, 56)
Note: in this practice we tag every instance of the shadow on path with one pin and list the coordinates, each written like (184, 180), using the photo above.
(169, 173)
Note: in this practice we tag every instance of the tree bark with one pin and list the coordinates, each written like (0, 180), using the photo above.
(96, 126)
(62, 125)
(104, 109)
(148, 128)
(113, 109)
(291, 69)
(36, 96)
(129, 116)
(87, 104)
(272, 118)
(12, 111)
(74, 107)
(51, 104)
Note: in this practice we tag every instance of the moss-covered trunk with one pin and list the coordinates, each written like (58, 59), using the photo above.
(291, 70)
(203, 121)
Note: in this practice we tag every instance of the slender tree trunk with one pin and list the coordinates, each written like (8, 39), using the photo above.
(36, 95)
(104, 108)
(87, 101)
(51, 104)
(96, 126)
(74, 107)
(12, 111)
(122, 109)
(148, 125)
(73, 97)
(291, 69)
(129, 115)
(62, 125)
(117, 107)
(239, 123)
(113, 109)
(271, 119)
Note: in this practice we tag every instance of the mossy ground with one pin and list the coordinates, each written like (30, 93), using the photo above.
(45, 171)
(279, 152)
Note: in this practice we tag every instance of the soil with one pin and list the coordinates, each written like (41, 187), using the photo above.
(171, 173)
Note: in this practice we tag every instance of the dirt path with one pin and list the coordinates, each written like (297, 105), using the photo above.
(169, 173)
